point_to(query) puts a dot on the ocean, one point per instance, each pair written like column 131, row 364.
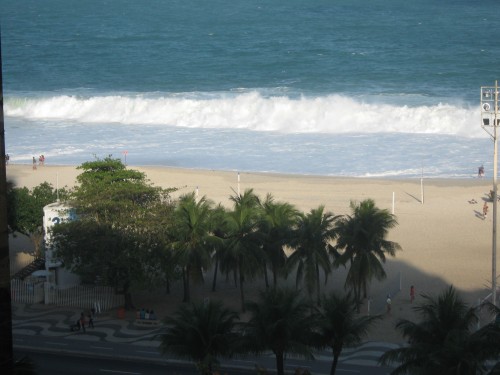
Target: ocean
column 358, row 88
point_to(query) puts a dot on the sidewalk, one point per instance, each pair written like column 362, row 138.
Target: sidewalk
column 53, row 321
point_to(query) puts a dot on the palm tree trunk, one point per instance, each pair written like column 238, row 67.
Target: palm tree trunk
column 129, row 305
column 242, row 292
column 167, row 285
column 358, row 297
column 335, row 361
column 275, row 276
column 317, row 285
column 214, row 282
column 185, row 279
column 265, row 276
column 280, row 365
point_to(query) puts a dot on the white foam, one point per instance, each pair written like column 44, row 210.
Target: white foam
column 333, row 114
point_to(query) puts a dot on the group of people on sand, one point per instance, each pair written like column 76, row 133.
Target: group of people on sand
column 41, row 161
column 388, row 301
column 485, row 205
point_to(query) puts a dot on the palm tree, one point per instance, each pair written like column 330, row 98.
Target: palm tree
column 362, row 237
column 192, row 234
column 340, row 326
column 445, row 340
column 279, row 322
column 243, row 249
column 310, row 243
column 277, row 225
column 201, row 332
column 219, row 232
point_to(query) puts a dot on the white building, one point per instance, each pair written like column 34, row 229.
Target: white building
column 59, row 276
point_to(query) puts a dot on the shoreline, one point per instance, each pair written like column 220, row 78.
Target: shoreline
column 218, row 186
column 472, row 177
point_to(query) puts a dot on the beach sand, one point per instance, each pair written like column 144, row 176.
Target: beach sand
column 444, row 239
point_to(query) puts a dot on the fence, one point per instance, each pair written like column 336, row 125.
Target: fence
column 101, row 298
column 27, row 291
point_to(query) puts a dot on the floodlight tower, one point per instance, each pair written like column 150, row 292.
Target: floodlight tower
column 489, row 122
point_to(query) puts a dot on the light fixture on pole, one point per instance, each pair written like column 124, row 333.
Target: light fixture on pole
column 490, row 121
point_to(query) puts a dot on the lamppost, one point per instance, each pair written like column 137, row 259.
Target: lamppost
column 490, row 121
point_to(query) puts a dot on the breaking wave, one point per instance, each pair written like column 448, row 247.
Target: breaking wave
column 250, row 111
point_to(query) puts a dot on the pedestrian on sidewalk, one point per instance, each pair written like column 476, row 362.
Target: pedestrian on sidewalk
column 91, row 321
column 76, row 326
column 388, row 304
column 412, row 294
column 82, row 322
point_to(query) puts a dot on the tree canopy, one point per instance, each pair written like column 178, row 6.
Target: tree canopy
column 362, row 242
column 130, row 232
column 203, row 332
column 280, row 321
column 25, row 210
column 111, row 241
column 445, row 340
column 111, row 192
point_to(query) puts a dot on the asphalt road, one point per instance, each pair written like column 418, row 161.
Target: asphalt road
column 53, row 356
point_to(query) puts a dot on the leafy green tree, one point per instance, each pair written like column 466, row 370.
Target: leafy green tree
column 311, row 241
column 100, row 253
column 156, row 230
column 110, row 192
column 340, row 326
column 279, row 220
column 109, row 241
column 192, row 233
column 202, row 333
column 280, row 322
column 242, row 245
column 445, row 340
column 25, row 210
column 362, row 242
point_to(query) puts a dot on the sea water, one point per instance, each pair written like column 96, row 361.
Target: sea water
column 368, row 88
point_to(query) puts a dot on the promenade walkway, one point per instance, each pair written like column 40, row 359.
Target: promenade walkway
column 51, row 321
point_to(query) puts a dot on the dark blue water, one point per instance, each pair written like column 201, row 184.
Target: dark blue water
column 347, row 87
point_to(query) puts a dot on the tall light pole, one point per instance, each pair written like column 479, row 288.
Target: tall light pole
column 490, row 122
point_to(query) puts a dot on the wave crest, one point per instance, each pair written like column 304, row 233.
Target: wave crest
column 251, row 111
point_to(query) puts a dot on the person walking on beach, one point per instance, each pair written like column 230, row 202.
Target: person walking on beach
column 412, row 294
column 34, row 163
column 388, row 304
column 485, row 210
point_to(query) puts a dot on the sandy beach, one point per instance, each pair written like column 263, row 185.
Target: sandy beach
column 445, row 239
